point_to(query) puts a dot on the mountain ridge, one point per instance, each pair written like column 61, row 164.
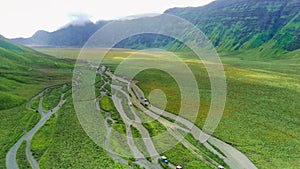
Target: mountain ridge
column 74, row 35
column 271, row 27
column 248, row 24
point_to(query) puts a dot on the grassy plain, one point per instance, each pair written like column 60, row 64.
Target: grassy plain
column 70, row 147
column 62, row 142
column 261, row 116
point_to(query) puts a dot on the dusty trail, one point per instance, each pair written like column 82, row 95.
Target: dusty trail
column 234, row 158
column 139, row 156
column 138, row 124
column 11, row 162
column 106, row 144
column 141, row 160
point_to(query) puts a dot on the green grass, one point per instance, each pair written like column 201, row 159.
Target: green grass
column 107, row 104
column 261, row 117
column 98, row 84
column 179, row 155
column 126, row 107
column 133, row 165
column 24, row 73
column 138, row 141
column 8, row 100
column 164, row 165
column 52, row 95
column 169, row 119
column 154, row 128
column 71, row 147
column 118, row 145
column 117, row 117
column 22, row 160
column 261, row 113
column 204, row 151
column 120, row 128
column 14, row 122
column 42, row 140
column 35, row 103
column 217, row 149
column 107, row 87
column 61, row 143
column 51, row 98
column 109, row 122
column 135, row 132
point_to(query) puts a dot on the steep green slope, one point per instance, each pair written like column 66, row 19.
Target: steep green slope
column 239, row 25
column 21, row 66
column 271, row 27
column 23, row 73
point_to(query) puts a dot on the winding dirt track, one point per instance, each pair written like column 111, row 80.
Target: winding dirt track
column 141, row 160
column 233, row 158
column 11, row 162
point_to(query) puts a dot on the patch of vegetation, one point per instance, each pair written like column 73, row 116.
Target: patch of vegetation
column 139, row 142
column 71, row 147
column 117, row 117
column 164, row 165
column 98, row 84
column 42, row 140
column 266, row 105
column 24, row 73
column 14, row 124
column 120, row 127
column 8, row 100
column 118, row 145
column 107, row 87
column 107, row 104
column 154, row 128
column 126, row 107
column 67, row 91
column 179, row 155
column 169, row 119
column 135, row 132
column 20, row 75
column 134, row 165
column 22, row 160
column 216, row 148
column 51, row 98
column 205, row 151
column 118, row 166
column 109, row 122
column 260, row 118
column 35, row 103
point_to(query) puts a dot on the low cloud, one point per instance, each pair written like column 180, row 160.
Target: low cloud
column 79, row 18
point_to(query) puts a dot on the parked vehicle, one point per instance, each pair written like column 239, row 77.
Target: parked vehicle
column 164, row 159
column 179, row 167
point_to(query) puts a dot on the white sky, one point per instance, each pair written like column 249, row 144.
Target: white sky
column 22, row 18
